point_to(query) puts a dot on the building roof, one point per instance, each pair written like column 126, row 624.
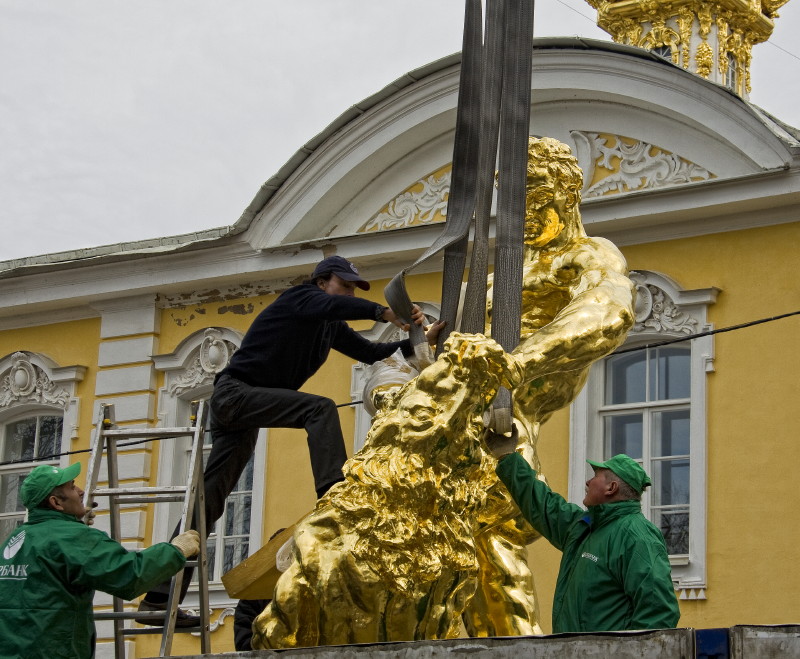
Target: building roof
column 226, row 234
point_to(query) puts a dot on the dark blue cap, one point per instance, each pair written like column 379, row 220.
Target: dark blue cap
column 342, row 268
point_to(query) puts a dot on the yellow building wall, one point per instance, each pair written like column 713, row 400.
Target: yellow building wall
column 751, row 417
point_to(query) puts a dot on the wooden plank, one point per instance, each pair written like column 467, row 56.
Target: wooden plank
column 255, row 577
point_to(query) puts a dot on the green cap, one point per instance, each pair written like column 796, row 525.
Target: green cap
column 627, row 469
column 41, row 481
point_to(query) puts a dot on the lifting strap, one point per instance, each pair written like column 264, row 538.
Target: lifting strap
column 461, row 201
column 494, row 92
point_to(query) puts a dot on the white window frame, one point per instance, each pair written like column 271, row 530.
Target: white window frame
column 663, row 311
column 32, row 384
column 189, row 375
column 732, row 72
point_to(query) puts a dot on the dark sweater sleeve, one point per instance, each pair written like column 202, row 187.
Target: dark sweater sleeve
column 351, row 343
column 312, row 302
column 547, row 511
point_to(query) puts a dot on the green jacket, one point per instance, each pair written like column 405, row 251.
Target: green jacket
column 49, row 569
column 614, row 573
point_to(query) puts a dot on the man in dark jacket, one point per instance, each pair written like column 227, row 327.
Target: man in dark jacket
column 51, row 565
column 287, row 343
column 615, row 572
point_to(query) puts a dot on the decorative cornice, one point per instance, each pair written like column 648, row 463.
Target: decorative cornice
column 691, row 593
column 613, row 164
column 424, row 202
column 227, row 612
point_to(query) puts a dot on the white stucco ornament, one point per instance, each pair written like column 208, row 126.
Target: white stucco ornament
column 213, row 355
column 214, row 352
column 655, row 310
column 27, row 383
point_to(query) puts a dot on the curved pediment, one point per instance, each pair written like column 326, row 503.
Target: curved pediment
column 638, row 124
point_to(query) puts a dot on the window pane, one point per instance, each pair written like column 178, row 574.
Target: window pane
column 675, row 527
column 237, row 514
column 671, row 433
column 663, row 51
column 625, row 379
column 245, row 482
column 235, row 521
column 670, row 482
column 50, row 428
column 9, row 494
column 211, row 558
column 20, row 440
column 623, row 434
column 235, row 552
column 669, row 373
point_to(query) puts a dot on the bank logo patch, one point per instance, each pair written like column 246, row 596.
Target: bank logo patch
column 14, row 545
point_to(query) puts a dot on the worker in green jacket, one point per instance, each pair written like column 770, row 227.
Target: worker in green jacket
column 615, row 572
column 51, row 565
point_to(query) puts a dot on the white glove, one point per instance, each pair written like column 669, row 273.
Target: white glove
column 188, row 543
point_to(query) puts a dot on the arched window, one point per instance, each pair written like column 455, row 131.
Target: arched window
column 732, row 73
column 38, row 416
column 189, row 375
column 663, row 51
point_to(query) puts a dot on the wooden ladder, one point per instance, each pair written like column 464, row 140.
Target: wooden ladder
column 107, row 434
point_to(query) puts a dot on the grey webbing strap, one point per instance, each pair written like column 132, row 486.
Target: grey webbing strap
column 460, row 203
column 473, row 318
column 514, row 128
column 506, row 94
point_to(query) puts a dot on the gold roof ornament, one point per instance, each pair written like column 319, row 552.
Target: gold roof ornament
column 712, row 39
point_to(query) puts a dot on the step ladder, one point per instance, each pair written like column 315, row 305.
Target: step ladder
column 107, row 434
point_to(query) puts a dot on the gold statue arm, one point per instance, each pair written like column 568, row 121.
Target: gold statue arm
column 591, row 325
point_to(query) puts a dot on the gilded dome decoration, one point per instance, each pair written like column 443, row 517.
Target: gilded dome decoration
column 712, row 39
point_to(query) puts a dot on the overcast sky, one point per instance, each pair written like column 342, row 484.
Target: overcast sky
column 122, row 120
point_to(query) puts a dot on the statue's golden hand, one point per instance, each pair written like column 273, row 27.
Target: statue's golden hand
column 513, row 371
column 475, row 354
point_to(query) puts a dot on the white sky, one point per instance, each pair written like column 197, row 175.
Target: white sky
column 122, row 120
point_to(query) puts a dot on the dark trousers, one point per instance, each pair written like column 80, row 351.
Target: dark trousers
column 237, row 412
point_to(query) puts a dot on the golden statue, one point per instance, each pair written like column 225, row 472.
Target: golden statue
column 388, row 554
column 577, row 307
column 421, row 533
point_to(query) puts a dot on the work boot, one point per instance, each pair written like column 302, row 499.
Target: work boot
column 182, row 620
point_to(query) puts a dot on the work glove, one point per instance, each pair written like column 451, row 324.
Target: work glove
column 88, row 518
column 501, row 445
column 188, row 543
